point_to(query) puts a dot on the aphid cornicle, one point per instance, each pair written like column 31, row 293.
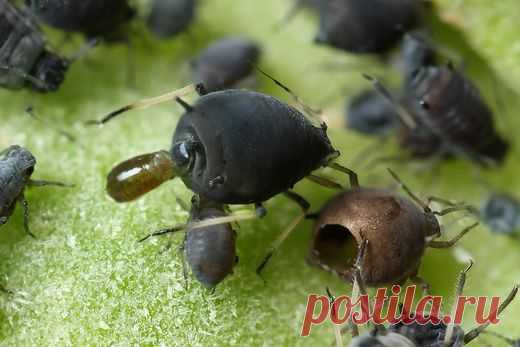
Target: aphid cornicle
column 231, row 147
column 171, row 17
column 452, row 108
column 359, row 26
column 396, row 229
column 422, row 331
column 25, row 60
column 93, row 18
column 209, row 250
column 16, row 167
column 225, row 63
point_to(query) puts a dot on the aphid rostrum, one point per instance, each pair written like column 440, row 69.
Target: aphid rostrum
column 25, row 60
column 16, row 168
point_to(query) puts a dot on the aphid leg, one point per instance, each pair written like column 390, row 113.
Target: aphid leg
column 458, row 293
column 164, row 232
column 422, row 283
column 304, row 205
column 145, row 103
column 502, row 337
column 25, row 206
column 474, row 333
column 398, row 158
column 183, row 261
column 323, row 181
column 44, row 183
column 31, row 79
column 30, row 111
column 405, row 116
column 450, row 243
column 353, row 177
column 337, row 329
column 454, row 209
column 408, row 190
column 358, row 286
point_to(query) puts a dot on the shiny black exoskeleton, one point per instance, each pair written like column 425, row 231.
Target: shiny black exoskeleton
column 452, row 108
column 225, row 63
column 361, row 26
column 371, row 114
column 210, row 251
column 16, row 167
column 240, row 147
column 171, row 17
column 93, row 18
column 25, row 61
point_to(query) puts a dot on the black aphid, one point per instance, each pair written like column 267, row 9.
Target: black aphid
column 209, row 250
column 231, row 147
column 93, row 18
column 361, row 26
column 171, row 17
column 16, row 167
column 225, row 63
column 25, row 61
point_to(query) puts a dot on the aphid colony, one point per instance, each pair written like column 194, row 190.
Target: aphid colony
column 239, row 147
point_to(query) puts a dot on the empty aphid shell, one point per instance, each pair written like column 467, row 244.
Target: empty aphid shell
column 394, row 227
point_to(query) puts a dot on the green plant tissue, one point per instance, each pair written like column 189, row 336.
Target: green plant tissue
column 86, row 281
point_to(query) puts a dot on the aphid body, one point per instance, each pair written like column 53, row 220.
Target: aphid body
column 16, row 168
column 171, row 17
column 93, row 18
column 24, row 59
column 453, row 109
column 225, row 63
column 359, row 26
column 210, row 251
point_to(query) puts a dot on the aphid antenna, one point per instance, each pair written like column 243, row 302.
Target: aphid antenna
column 458, row 293
column 304, row 206
column 313, row 113
column 408, row 191
column 145, row 103
column 337, row 329
column 84, row 50
column 404, row 115
column 37, row 82
column 474, row 333
column 30, row 111
column 500, row 336
column 235, row 217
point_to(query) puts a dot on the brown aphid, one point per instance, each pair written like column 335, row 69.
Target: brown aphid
column 450, row 105
column 397, row 232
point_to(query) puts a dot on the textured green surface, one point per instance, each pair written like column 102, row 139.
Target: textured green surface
column 86, row 281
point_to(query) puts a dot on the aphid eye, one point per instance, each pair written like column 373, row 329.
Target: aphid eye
column 424, row 105
column 182, row 154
